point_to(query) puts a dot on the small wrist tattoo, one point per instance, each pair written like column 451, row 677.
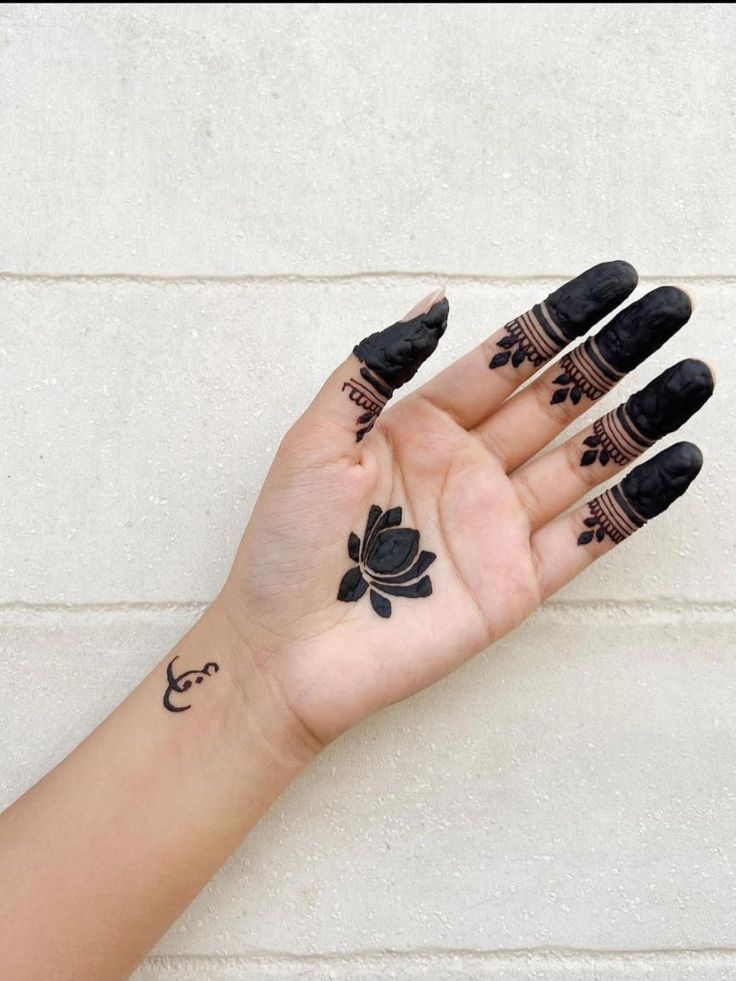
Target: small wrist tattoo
column 644, row 493
column 178, row 684
column 390, row 358
column 389, row 563
column 567, row 313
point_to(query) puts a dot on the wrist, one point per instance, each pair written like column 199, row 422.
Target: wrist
column 251, row 706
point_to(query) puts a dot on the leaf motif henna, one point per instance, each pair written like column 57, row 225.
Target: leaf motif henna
column 354, row 547
column 584, row 372
column 532, row 336
column 387, row 562
column 352, row 586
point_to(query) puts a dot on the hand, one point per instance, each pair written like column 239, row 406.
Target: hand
column 385, row 550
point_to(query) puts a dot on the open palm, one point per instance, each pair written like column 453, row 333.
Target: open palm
column 386, row 550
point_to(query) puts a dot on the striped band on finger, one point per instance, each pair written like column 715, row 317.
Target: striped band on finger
column 610, row 515
column 584, row 372
column 532, row 336
column 615, row 437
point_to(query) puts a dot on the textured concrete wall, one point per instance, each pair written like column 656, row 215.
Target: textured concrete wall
column 185, row 189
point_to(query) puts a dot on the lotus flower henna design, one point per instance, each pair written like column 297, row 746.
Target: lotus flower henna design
column 389, row 562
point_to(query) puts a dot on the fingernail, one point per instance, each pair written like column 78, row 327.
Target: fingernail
column 425, row 305
column 651, row 487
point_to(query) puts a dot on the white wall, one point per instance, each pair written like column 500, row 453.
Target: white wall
column 189, row 194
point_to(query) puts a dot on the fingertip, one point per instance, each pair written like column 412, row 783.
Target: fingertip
column 676, row 302
column 627, row 275
column 709, row 369
column 655, row 484
column 583, row 301
column 424, row 305
column 685, row 458
column 691, row 297
column 670, row 399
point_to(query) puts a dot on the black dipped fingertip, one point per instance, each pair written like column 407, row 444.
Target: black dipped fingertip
column 396, row 353
column 578, row 305
column 643, row 327
column 671, row 398
column 651, row 487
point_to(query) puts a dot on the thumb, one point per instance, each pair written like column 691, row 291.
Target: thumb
column 352, row 398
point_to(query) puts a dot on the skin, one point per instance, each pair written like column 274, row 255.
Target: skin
column 102, row 855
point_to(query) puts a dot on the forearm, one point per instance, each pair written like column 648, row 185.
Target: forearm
column 103, row 854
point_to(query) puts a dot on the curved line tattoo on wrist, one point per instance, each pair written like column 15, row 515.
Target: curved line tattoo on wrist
column 178, row 684
column 389, row 562
column 538, row 335
column 596, row 365
column 658, row 409
column 646, row 492
column 390, row 358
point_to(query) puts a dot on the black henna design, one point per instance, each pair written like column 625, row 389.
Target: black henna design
column 611, row 516
column 584, row 372
column 658, row 409
column 388, row 562
column 571, row 310
column 614, row 438
column 390, row 358
column 594, row 367
column 178, row 684
column 368, row 401
column 646, row 492
column 532, row 336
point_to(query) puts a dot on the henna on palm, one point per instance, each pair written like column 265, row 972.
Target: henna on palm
column 387, row 562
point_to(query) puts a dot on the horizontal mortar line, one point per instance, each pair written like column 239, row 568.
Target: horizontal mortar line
column 159, row 606
column 430, row 956
column 638, row 610
column 337, row 279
